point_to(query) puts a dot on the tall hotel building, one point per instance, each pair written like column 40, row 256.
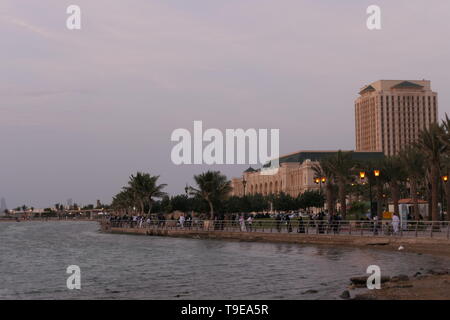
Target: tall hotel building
column 389, row 114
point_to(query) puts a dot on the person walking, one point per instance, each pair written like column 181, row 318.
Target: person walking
column 278, row 222
column 320, row 218
column 375, row 225
column 249, row 223
column 189, row 221
column 395, row 223
column 242, row 223
column 301, row 225
column 331, row 221
column 288, row 223
column 181, row 220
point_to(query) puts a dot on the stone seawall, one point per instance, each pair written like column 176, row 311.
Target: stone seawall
column 439, row 247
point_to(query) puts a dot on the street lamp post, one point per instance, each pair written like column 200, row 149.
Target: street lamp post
column 186, row 190
column 445, row 180
column 362, row 176
column 319, row 181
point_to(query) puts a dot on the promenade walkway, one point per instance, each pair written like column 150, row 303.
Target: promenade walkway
column 357, row 228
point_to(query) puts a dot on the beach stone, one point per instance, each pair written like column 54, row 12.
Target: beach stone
column 417, row 274
column 362, row 281
column 439, row 272
column 400, row 277
column 345, row 295
column 310, row 291
column 403, row 286
column 359, row 280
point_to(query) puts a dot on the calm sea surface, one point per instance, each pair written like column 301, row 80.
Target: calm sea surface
column 34, row 257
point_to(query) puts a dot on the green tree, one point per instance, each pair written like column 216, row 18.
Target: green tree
column 432, row 146
column 212, row 186
column 393, row 172
column 124, row 200
column 342, row 165
column 145, row 189
column 445, row 137
column 180, row 203
column 283, row 202
column 310, row 199
column 324, row 169
column 413, row 162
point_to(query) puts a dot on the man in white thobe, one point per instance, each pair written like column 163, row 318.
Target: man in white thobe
column 395, row 223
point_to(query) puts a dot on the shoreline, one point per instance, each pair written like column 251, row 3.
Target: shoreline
column 424, row 285
column 431, row 246
column 431, row 286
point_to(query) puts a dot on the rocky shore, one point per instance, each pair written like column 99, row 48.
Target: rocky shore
column 423, row 285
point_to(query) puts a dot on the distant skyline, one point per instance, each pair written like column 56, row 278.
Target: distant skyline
column 81, row 111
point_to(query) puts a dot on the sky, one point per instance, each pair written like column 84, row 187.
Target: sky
column 81, row 110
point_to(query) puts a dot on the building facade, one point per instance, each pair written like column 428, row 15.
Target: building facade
column 294, row 176
column 389, row 114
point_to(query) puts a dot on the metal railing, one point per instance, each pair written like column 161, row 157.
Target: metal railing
column 423, row 229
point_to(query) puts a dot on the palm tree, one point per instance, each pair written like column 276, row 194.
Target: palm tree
column 144, row 188
column 393, row 172
column 445, row 137
column 136, row 187
column 153, row 190
column 431, row 145
column 413, row 162
column 124, row 200
column 342, row 165
column 323, row 169
column 446, row 161
column 445, row 169
column 211, row 186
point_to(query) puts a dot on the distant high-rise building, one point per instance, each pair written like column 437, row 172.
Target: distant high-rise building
column 389, row 114
column 3, row 206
